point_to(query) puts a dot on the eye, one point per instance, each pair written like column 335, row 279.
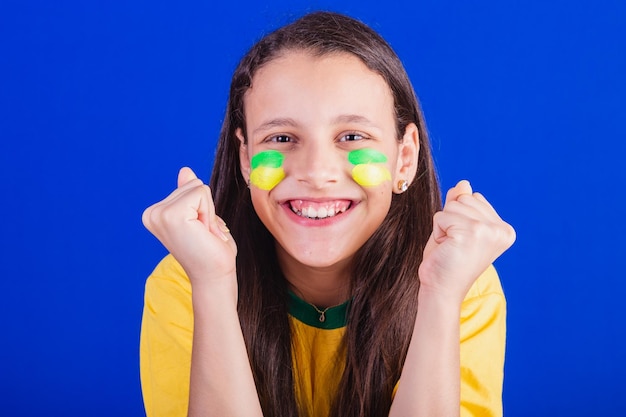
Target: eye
column 350, row 137
column 280, row 139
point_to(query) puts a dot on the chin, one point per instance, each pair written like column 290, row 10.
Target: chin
column 319, row 258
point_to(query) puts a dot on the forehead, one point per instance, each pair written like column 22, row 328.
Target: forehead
column 306, row 87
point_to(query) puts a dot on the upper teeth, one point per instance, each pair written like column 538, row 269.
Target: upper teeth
column 320, row 212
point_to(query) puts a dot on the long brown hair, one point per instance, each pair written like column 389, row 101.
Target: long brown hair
column 384, row 281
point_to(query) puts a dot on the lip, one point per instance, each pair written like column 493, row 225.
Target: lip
column 319, row 200
column 308, row 222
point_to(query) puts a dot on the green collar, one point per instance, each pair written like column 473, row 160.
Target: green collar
column 334, row 317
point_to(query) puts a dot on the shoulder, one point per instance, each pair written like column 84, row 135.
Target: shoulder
column 484, row 307
column 168, row 293
column 168, row 273
column 487, row 283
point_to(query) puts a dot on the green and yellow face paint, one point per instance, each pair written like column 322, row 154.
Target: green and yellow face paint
column 267, row 169
column 366, row 172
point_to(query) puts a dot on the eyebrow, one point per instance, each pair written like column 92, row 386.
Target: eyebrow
column 289, row 122
column 278, row 122
column 353, row 118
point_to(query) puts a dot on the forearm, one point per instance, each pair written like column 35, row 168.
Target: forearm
column 430, row 381
column 221, row 382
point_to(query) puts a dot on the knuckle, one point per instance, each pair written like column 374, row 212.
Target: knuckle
column 504, row 234
column 511, row 234
column 477, row 228
column 196, row 183
column 464, row 198
column 437, row 216
column 453, row 206
column 450, row 195
column 167, row 214
column 146, row 217
column 480, row 231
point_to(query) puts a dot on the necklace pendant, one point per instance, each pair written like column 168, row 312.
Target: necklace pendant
column 322, row 317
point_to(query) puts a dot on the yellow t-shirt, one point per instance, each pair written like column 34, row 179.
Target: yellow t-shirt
column 318, row 361
column 167, row 335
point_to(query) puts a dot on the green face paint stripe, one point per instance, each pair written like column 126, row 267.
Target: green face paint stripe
column 366, row 156
column 270, row 159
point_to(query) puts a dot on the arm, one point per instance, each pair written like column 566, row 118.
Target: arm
column 467, row 237
column 186, row 223
column 221, row 381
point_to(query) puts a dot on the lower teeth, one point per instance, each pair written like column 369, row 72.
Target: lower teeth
column 299, row 213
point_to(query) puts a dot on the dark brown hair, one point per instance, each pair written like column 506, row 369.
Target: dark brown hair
column 384, row 281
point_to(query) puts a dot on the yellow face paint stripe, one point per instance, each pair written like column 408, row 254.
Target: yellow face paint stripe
column 368, row 175
column 266, row 178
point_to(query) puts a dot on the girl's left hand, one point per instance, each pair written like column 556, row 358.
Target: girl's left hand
column 468, row 236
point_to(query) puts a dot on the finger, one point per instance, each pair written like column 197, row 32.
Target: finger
column 443, row 222
column 218, row 228
column 206, row 209
column 478, row 202
column 146, row 218
column 206, row 215
column 465, row 206
column 179, row 191
column 222, row 229
column 186, row 179
column 483, row 200
column 227, row 236
column 185, row 175
column 190, row 202
column 438, row 234
column 462, row 187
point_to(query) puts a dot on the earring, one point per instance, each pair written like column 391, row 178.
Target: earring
column 403, row 185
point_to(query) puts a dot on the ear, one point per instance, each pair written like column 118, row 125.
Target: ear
column 244, row 158
column 408, row 152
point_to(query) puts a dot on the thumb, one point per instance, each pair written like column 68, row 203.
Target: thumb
column 462, row 187
column 185, row 175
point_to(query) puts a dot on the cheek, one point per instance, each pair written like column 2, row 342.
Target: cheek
column 369, row 169
column 370, row 175
column 267, row 169
column 266, row 178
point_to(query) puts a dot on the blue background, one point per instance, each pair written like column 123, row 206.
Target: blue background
column 101, row 103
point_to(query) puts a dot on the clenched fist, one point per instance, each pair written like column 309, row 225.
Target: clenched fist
column 468, row 235
column 186, row 224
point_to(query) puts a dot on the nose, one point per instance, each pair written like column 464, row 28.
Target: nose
column 318, row 165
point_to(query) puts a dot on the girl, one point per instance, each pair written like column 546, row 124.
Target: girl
column 318, row 274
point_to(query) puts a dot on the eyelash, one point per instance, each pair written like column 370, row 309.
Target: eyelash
column 353, row 134
column 277, row 137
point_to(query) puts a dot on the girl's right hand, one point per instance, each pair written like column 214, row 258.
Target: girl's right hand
column 186, row 224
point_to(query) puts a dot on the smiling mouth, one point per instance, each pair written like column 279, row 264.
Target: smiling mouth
column 318, row 211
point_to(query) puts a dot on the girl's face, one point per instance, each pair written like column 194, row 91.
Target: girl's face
column 322, row 155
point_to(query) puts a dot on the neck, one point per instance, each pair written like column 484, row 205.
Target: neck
column 321, row 286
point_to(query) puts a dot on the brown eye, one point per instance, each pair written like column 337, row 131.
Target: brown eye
column 350, row 137
column 280, row 139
